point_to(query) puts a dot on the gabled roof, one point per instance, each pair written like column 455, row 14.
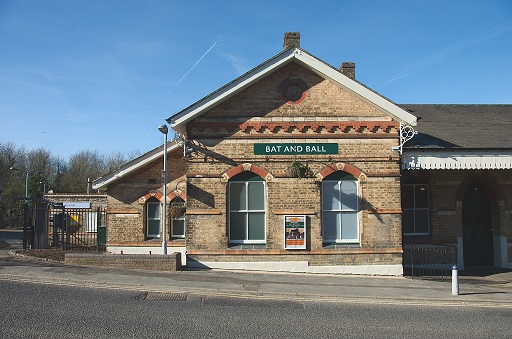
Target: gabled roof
column 461, row 126
column 178, row 120
column 131, row 166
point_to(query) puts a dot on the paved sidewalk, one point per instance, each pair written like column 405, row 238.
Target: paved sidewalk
column 494, row 290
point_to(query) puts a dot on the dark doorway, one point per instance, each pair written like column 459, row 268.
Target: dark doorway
column 477, row 226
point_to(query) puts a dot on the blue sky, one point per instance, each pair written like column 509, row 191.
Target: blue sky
column 101, row 75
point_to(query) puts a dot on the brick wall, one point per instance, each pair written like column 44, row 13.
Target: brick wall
column 447, row 188
column 224, row 137
column 171, row 262
column 96, row 200
column 127, row 198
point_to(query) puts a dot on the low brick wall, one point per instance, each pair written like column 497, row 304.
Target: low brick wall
column 169, row 262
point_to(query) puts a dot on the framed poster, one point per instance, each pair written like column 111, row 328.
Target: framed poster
column 294, row 232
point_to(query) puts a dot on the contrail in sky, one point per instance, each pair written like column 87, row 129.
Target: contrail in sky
column 190, row 70
column 439, row 57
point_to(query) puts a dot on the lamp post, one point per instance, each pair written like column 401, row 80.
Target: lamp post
column 26, row 180
column 164, row 130
column 25, row 208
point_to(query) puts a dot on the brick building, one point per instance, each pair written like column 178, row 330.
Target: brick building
column 297, row 166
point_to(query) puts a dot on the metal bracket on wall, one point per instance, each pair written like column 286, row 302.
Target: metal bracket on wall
column 406, row 134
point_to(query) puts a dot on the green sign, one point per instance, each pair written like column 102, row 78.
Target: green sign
column 286, row 149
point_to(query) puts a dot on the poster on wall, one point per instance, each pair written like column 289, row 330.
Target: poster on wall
column 294, row 232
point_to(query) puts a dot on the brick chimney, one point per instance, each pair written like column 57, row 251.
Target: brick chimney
column 349, row 69
column 291, row 39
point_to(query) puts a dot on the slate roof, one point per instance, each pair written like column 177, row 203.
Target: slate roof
column 461, row 126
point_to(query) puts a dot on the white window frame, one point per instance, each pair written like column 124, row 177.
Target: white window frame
column 339, row 237
column 148, row 218
column 247, row 212
column 416, row 209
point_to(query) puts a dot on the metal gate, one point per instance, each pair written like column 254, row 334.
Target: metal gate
column 51, row 225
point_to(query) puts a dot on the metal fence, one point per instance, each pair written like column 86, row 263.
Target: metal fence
column 54, row 226
column 429, row 261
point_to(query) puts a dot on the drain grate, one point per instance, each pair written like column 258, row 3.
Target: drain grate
column 157, row 296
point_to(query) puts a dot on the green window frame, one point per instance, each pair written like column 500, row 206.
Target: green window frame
column 246, row 209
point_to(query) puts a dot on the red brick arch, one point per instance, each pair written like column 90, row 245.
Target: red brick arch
column 341, row 167
column 159, row 196
column 247, row 167
column 173, row 195
column 150, row 194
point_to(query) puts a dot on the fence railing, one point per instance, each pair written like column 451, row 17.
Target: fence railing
column 429, row 261
column 53, row 226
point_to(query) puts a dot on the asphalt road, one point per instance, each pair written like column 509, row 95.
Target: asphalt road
column 48, row 311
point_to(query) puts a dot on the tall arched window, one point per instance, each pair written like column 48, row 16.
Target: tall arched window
column 415, row 207
column 153, row 218
column 177, row 208
column 340, row 208
column 246, row 195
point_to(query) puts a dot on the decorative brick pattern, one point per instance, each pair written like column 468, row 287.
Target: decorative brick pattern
column 264, row 128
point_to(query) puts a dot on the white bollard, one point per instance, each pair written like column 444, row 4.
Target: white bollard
column 455, row 280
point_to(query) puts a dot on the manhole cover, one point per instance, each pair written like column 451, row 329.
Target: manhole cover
column 156, row 296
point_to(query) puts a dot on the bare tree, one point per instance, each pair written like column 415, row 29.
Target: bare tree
column 46, row 172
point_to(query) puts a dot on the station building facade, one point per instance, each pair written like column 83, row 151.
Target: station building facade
column 296, row 166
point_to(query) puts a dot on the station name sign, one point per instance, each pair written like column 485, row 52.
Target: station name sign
column 286, row 149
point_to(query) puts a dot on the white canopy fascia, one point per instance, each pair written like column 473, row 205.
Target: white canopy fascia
column 453, row 159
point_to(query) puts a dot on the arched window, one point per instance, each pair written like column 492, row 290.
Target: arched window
column 340, row 208
column 246, row 195
column 153, row 218
column 415, row 207
column 177, row 208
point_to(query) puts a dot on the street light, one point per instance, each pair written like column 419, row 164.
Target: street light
column 27, row 173
column 164, row 130
column 26, row 180
column 25, row 208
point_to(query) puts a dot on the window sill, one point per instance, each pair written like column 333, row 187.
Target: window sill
column 247, row 247
column 341, row 246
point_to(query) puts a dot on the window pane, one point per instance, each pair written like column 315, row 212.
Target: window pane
column 153, row 227
column 256, row 226
column 421, row 222
column 408, row 221
column 178, row 227
column 237, row 196
column 237, row 224
column 349, row 195
column 421, row 197
column 153, row 210
column 330, row 225
column 256, row 196
column 349, row 229
column 330, row 196
column 407, row 196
